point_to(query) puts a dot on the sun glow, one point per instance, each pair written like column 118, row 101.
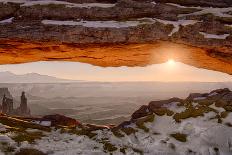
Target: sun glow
column 171, row 62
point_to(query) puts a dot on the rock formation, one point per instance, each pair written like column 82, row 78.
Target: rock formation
column 118, row 32
column 23, row 109
column 4, row 94
column 8, row 105
column 221, row 97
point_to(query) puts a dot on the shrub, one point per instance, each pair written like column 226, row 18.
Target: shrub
column 28, row 151
column 179, row 136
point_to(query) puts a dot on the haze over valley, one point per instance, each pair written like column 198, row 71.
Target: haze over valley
column 95, row 95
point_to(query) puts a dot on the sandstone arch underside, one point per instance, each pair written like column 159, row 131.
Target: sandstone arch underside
column 121, row 33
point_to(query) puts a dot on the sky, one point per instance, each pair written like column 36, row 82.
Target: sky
column 166, row 72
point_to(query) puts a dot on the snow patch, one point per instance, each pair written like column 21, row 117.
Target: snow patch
column 2, row 128
column 228, row 25
column 219, row 109
column 214, row 36
column 213, row 94
column 67, row 4
column 177, row 24
column 43, row 123
column 153, row 3
column 13, row 1
column 219, row 12
column 101, row 24
column 199, row 98
column 5, row 139
column 183, row 7
column 174, row 107
column 6, row 21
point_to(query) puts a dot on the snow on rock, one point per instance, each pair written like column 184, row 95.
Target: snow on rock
column 219, row 12
column 13, row 1
column 5, row 139
column 43, row 123
column 203, row 135
column 228, row 25
column 212, row 94
column 67, row 4
column 153, row 3
column 177, row 24
column 100, row 24
column 199, row 98
column 2, row 128
column 174, row 107
column 219, row 109
column 228, row 119
column 183, row 7
column 69, row 144
column 6, row 21
column 214, row 36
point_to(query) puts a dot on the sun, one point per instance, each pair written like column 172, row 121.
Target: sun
column 171, row 62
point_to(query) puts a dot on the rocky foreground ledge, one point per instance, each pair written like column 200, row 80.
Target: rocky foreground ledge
column 199, row 124
column 86, row 30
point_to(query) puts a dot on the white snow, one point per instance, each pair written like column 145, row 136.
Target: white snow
column 101, row 24
column 183, row 7
column 5, row 138
column 214, row 36
column 203, row 135
column 43, row 123
column 219, row 12
column 13, row 1
column 153, row 3
column 228, row 119
column 174, row 107
column 199, row 98
column 6, row 21
column 2, row 128
column 67, row 4
column 177, row 24
column 213, row 94
column 228, row 25
column 219, row 109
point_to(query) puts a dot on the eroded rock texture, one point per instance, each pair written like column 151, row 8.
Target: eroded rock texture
column 117, row 33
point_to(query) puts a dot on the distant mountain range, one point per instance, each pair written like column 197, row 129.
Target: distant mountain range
column 9, row 77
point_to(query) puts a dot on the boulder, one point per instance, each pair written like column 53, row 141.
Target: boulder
column 192, row 96
column 220, row 91
column 154, row 105
column 94, row 127
column 61, row 120
column 227, row 98
column 141, row 112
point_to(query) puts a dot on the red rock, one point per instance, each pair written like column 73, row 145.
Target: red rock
column 94, row 127
column 141, row 112
column 60, row 120
column 159, row 104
